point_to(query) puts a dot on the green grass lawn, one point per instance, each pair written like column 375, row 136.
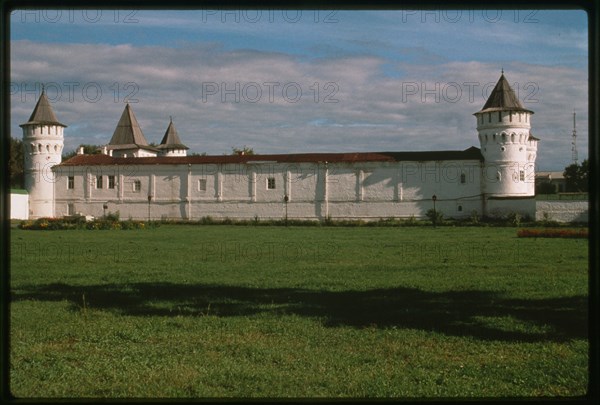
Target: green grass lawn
column 231, row 311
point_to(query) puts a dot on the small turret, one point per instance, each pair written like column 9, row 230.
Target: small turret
column 171, row 145
column 43, row 142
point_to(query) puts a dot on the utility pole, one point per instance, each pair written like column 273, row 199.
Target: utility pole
column 574, row 157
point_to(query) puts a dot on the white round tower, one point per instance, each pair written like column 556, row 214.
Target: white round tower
column 43, row 143
column 508, row 148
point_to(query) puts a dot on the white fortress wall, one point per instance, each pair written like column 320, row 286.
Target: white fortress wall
column 365, row 190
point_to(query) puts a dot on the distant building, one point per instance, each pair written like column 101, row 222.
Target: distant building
column 142, row 181
column 557, row 179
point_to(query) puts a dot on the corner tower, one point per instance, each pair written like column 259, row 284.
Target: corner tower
column 508, row 148
column 43, row 141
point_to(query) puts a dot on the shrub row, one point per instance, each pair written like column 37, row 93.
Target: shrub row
column 552, row 233
column 55, row 224
column 473, row 220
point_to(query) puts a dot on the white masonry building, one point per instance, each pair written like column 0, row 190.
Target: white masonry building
column 140, row 181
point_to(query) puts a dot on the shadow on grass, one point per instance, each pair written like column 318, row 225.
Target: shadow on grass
column 479, row 314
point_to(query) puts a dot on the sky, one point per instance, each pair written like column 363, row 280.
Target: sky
column 299, row 81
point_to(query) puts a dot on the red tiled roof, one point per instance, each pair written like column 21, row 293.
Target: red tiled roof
column 471, row 153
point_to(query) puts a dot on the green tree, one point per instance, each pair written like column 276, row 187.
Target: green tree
column 576, row 177
column 88, row 149
column 245, row 150
column 15, row 161
column 545, row 188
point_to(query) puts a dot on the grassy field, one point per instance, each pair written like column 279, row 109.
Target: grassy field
column 225, row 311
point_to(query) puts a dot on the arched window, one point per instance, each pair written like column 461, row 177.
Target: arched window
column 48, row 148
column 503, row 137
column 55, row 148
column 463, row 178
column 39, row 147
column 32, row 148
column 512, row 138
column 510, row 116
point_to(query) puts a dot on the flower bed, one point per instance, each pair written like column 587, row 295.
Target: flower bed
column 552, row 233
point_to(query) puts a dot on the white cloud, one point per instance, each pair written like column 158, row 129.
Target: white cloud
column 358, row 105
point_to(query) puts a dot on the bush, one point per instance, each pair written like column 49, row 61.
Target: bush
column 435, row 216
column 514, row 218
column 57, row 224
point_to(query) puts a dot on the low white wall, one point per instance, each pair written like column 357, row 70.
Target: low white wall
column 562, row 210
column 19, row 206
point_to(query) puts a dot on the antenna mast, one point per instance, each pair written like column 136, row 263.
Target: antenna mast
column 574, row 142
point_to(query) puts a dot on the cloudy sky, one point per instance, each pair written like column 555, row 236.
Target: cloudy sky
column 302, row 81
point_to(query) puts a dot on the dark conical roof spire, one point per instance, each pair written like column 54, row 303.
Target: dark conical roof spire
column 171, row 139
column 43, row 113
column 503, row 98
column 128, row 130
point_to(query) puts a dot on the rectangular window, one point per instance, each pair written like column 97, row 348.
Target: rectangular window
column 70, row 209
column 137, row 185
column 522, row 175
column 271, row 183
column 489, row 117
column 71, row 183
column 463, row 178
column 98, row 181
column 202, row 185
column 111, row 182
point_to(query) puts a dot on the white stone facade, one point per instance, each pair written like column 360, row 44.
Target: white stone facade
column 143, row 182
column 365, row 190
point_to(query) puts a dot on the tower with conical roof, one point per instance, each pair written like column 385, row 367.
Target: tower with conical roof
column 507, row 145
column 171, row 144
column 43, row 142
column 128, row 140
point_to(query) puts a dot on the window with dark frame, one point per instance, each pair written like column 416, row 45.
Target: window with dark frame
column 111, row 182
column 71, row 183
column 137, row 186
column 99, row 181
column 271, row 183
